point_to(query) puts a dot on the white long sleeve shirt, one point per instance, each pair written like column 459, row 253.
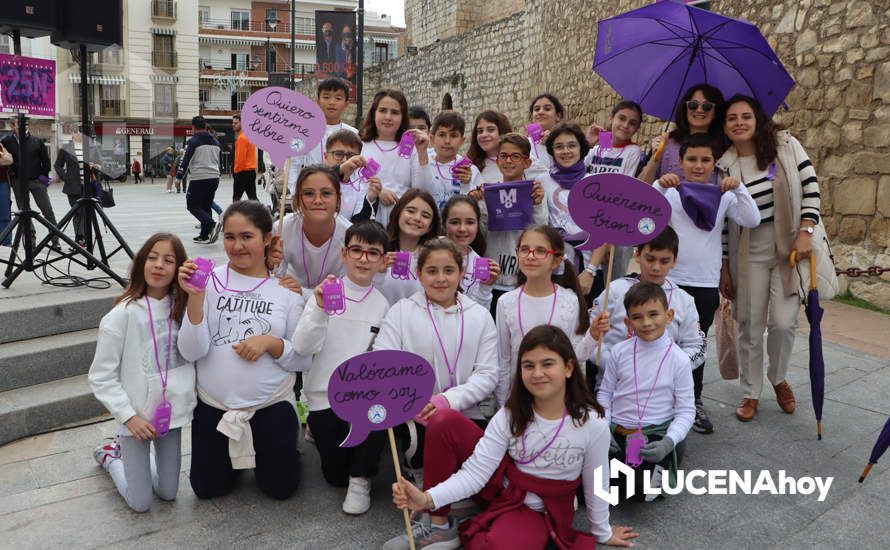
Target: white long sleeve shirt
column 230, row 317
column 396, row 173
column 438, row 182
column 614, row 160
column 397, row 289
column 576, row 451
column 407, row 327
column 684, row 330
column 478, row 291
column 490, row 173
column 535, row 311
column 320, row 261
column 672, row 397
column 542, row 162
column 332, row 339
column 315, row 156
column 124, row 374
column 699, row 258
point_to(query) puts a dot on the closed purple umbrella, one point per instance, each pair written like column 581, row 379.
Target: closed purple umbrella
column 653, row 54
column 814, row 313
column 880, row 448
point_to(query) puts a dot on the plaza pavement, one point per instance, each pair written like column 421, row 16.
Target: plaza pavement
column 53, row 495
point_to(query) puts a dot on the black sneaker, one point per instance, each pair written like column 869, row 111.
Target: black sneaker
column 214, row 234
column 201, row 240
column 702, row 423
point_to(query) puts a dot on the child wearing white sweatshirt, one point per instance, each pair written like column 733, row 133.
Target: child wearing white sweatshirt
column 331, row 339
column 141, row 378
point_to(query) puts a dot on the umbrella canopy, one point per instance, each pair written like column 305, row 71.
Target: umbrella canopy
column 814, row 313
column 653, row 54
column 879, row 449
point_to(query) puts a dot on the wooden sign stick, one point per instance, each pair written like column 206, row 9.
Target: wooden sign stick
column 599, row 346
column 395, row 462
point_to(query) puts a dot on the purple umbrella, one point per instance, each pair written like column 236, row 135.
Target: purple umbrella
column 880, row 447
column 814, row 312
column 653, row 54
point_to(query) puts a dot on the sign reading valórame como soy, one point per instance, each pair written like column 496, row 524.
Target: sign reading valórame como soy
column 282, row 122
column 379, row 390
column 618, row 209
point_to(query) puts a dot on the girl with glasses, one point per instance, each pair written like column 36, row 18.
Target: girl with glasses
column 696, row 113
column 548, row 294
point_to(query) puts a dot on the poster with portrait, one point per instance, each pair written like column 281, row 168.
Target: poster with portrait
column 335, row 47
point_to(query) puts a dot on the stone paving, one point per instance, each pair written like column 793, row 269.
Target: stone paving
column 52, row 493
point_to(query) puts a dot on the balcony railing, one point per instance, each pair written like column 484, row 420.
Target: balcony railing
column 163, row 59
column 164, row 9
column 168, row 110
column 283, row 26
column 112, row 107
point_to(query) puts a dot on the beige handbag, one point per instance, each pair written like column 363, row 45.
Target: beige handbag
column 5, row 157
column 727, row 341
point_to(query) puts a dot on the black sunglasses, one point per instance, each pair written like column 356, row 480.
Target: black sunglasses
column 706, row 106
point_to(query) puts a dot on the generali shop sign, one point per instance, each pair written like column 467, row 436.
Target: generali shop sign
column 161, row 130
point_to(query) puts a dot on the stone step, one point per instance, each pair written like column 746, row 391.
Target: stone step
column 40, row 360
column 39, row 315
column 43, row 407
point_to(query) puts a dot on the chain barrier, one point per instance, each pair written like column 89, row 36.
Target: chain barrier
column 872, row 271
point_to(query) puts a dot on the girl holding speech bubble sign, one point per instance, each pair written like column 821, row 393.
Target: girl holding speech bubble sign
column 526, row 467
column 454, row 333
column 313, row 235
column 460, row 217
column 544, row 296
column 382, row 133
column 238, row 333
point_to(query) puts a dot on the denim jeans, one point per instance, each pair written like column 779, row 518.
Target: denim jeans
column 5, row 210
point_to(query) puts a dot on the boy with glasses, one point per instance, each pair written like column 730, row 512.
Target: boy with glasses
column 342, row 153
column 332, row 339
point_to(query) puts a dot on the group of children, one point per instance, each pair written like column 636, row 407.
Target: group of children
column 521, row 392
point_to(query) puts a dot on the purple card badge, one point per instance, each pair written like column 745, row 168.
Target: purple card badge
column 163, row 415
column 198, row 280
column 481, row 270
column 401, row 269
column 536, row 132
column 369, row 170
column 510, row 205
column 379, row 390
column 464, row 161
column 406, row 145
column 605, row 140
column 282, row 122
column 617, row 209
column 333, row 296
column 635, row 442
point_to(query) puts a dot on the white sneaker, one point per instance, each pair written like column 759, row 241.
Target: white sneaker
column 106, row 452
column 358, row 496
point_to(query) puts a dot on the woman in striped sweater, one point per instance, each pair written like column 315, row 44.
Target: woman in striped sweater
column 756, row 272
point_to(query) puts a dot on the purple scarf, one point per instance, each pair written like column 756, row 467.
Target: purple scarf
column 701, row 202
column 566, row 177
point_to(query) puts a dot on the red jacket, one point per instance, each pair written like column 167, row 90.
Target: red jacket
column 136, row 167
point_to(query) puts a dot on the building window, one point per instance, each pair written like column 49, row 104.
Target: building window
column 203, row 95
column 304, row 25
column 110, row 55
column 381, row 52
column 241, row 20
column 110, row 102
column 271, row 15
column 163, row 53
column 240, row 61
column 241, row 98
column 203, row 15
column 4, row 44
column 163, row 100
column 271, row 60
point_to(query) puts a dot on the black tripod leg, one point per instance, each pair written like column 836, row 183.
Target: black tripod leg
column 94, row 224
column 13, row 225
column 114, row 232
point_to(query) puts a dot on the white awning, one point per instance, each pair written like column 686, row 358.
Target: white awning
column 106, row 79
column 163, row 30
column 389, row 41
column 163, row 78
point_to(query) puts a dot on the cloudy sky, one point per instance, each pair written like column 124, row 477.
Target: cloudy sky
column 393, row 8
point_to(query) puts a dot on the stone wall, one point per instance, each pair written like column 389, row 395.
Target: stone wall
column 837, row 50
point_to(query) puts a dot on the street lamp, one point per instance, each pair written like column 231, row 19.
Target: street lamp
column 271, row 23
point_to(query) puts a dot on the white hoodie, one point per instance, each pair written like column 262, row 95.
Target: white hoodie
column 124, row 375
column 407, row 327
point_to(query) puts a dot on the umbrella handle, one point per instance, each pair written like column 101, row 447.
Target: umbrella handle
column 813, row 281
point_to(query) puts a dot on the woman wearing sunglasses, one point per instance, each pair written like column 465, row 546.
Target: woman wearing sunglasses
column 696, row 113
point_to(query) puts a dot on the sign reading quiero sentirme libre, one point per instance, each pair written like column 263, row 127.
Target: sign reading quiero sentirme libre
column 282, row 122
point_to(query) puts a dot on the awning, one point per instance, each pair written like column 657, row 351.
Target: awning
column 390, row 41
column 106, row 79
column 238, row 41
column 163, row 30
column 163, row 78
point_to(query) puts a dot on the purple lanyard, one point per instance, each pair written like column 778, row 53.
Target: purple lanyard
column 519, row 307
column 154, row 339
column 547, row 446
column 452, row 371
column 438, row 171
column 637, row 389
column 323, row 261
column 463, row 275
column 362, row 299
column 382, row 150
column 226, row 286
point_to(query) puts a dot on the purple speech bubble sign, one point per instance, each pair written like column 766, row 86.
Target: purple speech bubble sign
column 282, row 122
column 617, row 209
column 379, row 390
